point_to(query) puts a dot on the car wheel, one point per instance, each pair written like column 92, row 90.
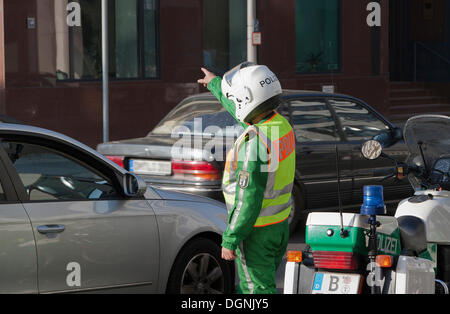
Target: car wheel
column 298, row 208
column 200, row 269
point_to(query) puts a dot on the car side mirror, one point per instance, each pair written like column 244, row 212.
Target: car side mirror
column 133, row 185
column 372, row 150
column 387, row 138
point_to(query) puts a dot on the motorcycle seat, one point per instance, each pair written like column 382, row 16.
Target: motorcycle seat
column 413, row 234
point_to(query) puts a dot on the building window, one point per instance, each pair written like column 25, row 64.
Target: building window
column 317, row 36
column 224, row 35
column 132, row 41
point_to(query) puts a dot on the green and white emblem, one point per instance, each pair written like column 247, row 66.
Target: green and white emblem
column 244, row 178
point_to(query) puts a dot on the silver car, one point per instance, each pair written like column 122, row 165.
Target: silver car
column 73, row 221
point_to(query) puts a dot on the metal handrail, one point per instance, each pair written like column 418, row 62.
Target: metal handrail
column 437, row 54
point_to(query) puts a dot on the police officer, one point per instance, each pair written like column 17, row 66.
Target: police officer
column 259, row 174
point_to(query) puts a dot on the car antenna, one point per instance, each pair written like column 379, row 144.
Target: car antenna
column 344, row 233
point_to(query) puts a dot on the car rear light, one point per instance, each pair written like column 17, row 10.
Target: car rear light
column 335, row 260
column 118, row 160
column 195, row 170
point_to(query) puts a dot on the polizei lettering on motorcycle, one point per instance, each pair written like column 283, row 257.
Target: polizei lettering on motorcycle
column 268, row 81
column 387, row 244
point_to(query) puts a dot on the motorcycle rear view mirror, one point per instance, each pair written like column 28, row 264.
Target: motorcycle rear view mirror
column 372, row 150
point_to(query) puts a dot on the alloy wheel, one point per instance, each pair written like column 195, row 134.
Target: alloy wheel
column 202, row 275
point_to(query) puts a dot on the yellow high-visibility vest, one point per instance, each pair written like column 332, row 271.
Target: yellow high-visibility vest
column 277, row 137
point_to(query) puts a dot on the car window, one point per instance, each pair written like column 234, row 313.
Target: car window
column 357, row 122
column 200, row 116
column 49, row 175
column 313, row 121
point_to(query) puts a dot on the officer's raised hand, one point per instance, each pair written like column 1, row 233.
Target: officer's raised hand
column 208, row 77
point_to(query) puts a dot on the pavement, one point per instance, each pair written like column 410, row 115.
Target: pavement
column 296, row 242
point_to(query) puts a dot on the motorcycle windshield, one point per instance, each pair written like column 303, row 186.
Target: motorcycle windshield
column 431, row 133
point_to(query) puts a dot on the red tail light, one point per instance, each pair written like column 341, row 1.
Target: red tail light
column 118, row 160
column 335, row 260
column 196, row 170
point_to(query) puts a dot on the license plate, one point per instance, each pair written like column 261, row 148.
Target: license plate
column 334, row 283
column 151, row 167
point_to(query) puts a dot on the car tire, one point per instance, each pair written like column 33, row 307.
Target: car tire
column 298, row 208
column 200, row 269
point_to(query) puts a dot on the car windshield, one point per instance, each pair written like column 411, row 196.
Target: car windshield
column 206, row 117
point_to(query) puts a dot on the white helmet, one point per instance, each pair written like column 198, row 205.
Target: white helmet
column 253, row 88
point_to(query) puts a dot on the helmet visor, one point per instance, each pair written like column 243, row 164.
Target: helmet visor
column 228, row 77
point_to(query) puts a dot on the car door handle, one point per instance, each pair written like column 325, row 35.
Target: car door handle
column 48, row 229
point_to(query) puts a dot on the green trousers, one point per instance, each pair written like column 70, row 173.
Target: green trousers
column 259, row 257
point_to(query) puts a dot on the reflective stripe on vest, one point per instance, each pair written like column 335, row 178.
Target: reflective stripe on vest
column 278, row 137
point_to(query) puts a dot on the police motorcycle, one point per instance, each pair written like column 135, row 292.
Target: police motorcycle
column 370, row 253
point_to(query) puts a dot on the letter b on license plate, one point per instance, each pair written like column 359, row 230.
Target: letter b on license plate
column 334, row 283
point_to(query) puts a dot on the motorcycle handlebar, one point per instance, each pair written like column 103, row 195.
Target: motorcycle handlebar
column 400, row 171
column 384, row 172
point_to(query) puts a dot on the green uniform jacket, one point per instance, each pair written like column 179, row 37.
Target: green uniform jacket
column 251, row 158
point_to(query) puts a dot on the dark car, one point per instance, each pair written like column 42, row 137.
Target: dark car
column 8, row 119
column 187, row 149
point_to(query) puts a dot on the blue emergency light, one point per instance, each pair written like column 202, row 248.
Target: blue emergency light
column 373, row 201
